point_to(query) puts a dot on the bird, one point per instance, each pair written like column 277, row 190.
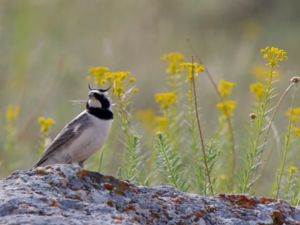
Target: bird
column 84, row 135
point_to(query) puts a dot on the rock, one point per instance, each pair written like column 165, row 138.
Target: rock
column 67, row 194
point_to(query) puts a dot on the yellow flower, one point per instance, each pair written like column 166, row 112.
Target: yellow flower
column 46, row 124
column 262, row 73
column 12, row 113
column 222, row 177
column 121, row 82
column 192, row 67
column 166, row 100
column 98, row 71
column 225, row 88
column 258, row 89
column 151, row 121
column 297, row 131
column 292, row 169
column 135, row 90
column 293, row 114
column 274, row 55
column 119, row 90
column 174, row 59
column 227, row 107
column 118, row 76
column 147, row 117
column 161, row 123
column 132, row 80
column 98, row 74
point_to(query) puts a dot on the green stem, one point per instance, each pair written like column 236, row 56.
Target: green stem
column 169, row 167
column 228, row 118
column 197, row 161
column 289, row 183
column 131, row 164
column 282, row 97
column 192, row 119
column 100, row 160
column 285, row 151
column 200, row 131
column 255, row 155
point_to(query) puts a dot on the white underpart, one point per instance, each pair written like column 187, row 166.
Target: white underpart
column 90, row 140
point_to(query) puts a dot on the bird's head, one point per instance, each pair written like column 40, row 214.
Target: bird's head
column 98, row 98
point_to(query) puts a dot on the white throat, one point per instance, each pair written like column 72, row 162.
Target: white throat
column 94, row 103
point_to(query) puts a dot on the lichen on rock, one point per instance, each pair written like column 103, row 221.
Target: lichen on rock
column 68, row 194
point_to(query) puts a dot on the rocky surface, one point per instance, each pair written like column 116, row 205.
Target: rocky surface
column 66, row 194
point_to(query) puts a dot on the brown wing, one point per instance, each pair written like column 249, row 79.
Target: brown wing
column 69, row 133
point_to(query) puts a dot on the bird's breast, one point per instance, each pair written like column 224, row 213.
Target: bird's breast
column 90, row 140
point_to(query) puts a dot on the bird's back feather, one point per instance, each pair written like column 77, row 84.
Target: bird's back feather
column 67, row 135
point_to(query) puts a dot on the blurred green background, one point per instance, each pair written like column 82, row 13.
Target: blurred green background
column 47, row 48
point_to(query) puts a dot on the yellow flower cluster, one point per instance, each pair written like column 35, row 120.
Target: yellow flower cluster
column 293, row 114
column 120, row 80
column 225, row 88
column 174, row 59
column 274, row 55
column 166, row 100
column 262, row 73
column 46, row 124
column 161, row 124
column 258, row 89
column 222, row 177
column 192, row 67
column 12, row 113
column 292, row 169
column 151, row 121
column 227, row 107
column 99, row 75
column 147, row 117
column 297, row 132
